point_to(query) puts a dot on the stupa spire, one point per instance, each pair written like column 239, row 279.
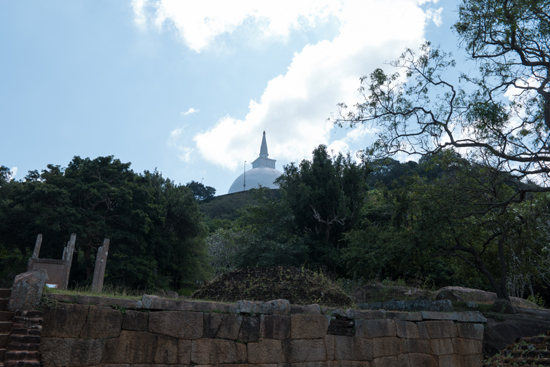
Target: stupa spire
column 263, row 148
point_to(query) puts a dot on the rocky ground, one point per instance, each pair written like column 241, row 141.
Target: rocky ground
column 298, row 286
column 532, row 351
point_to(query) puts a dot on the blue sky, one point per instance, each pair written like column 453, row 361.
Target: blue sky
column 188, row 87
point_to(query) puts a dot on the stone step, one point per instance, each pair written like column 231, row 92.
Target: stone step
column 6, row 316
column 23, row 346
column 21, row 364
column 21, row 355
column 5, row 327
column 2, row 355
column 4, row 340
column 5, row 292
column 4, row 304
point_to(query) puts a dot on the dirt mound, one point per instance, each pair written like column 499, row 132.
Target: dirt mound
column 298, row 286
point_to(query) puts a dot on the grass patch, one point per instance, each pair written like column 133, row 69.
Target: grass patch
column 109, row 291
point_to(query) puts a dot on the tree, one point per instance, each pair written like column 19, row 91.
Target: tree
column 325, row 196
column 499, row 117
column 201, row 192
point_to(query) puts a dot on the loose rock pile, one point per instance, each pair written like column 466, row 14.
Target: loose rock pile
column 298, row 286
column 534, row 351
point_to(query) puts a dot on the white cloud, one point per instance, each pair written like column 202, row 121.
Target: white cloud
column 294, row 107
column 198, row 23
column 189, row 111
column 13, row 172
column 185, row 153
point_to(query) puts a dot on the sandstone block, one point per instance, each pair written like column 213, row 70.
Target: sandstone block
column 385, row 347
column 64, row 320
column 405, row 316
column 215, row 351
column 211, row 324
column 329, row 347
column 348, row 364
column 308, row 326
column 229, row 327
column 71, row 352
column 250, row 329
column 375, row 328
column 309, row 309
column 274, row 326
column 27, row 290
column 352, row 349
column 167, row 350
column 470, row 331
column 451, row 360
column 307, row 350
column 421, row 359
column 474, row 360
column 466, row 347
column 102, row 322
column 130, row 347
column 184, row 351
column 416, row 346
column 309, row 364
column 134, row 320
column 275, row 307
column 385, row 362
column 407, row 329
column 441, row 347
column 267, row 351
column 441, row 329
column 423, row 330
column 179, row 324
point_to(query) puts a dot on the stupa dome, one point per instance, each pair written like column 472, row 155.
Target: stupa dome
column 263, row 173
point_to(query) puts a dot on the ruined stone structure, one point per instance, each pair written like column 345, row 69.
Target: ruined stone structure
column 93, row 331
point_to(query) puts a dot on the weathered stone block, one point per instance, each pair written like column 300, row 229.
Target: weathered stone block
column 179, row 324
column 134, row 320
column 466, row 347
column 211, row 324
column 275, row 307
column 167, row 350
column 307, row 350
column 274, row 326
column 250, row 329
column 352, row 349
column 441, row 347
column 375, row 328
column 215, row 351
column 230, row 327
column 452, row 360
column 309, row 309
column 102, row 322
column 71, row 352
column 407, row 329
column 416, row 346
column 423, row 330
column 348, row 364
column 473, row 360
column 441, row 329
column 384, row 347
column 64, row 320
column 470, row 331
column 405, row 316
column 267, row 351
column 308, row 326
column 367, row 315
column 421, row 359
column 131, row 347
column 385, row 362
column 184, row 351
column 27, row 290
column 329, row 347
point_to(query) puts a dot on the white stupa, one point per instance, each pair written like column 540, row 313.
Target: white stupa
column 263, row 173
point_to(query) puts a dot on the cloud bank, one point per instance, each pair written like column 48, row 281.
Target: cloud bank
column 294, row 107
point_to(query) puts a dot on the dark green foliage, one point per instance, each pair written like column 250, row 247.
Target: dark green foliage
column 201, row 192
column 325, row 196
column 155, row 226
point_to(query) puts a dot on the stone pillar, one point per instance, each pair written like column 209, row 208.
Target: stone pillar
column 100, row 264
column 68, row 256
column 37, row 245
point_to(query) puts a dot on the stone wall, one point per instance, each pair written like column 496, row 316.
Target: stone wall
column 266, row 334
